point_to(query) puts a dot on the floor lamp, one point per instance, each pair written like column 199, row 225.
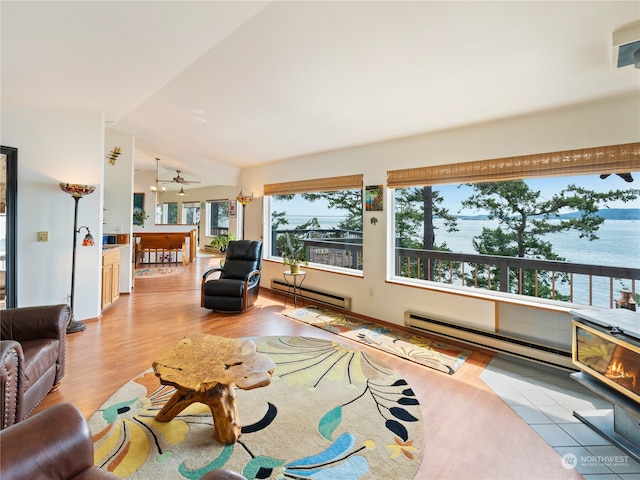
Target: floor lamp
column 77, row 192
column 244, row 200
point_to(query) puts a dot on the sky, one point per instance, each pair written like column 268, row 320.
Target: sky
column 453, row 194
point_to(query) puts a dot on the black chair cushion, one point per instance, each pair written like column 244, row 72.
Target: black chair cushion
column 224, row 287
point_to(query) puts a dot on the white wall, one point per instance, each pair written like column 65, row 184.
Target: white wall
column 608, row 122
column 56, row 146
column 118, row 197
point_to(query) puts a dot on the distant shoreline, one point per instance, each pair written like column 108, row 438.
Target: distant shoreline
column 607, row 214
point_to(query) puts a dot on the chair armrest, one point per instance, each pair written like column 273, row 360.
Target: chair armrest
column 54, row 444
column 11, row 382
column 209, row 272
column 251, row 276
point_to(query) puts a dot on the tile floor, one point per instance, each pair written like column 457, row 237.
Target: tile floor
column 545, row 398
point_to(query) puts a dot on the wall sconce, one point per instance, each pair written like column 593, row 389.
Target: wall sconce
column 77, row 192
column 182, row 193
column 113, row 155
column 244, row 200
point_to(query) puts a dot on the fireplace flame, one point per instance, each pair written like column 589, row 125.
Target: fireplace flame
column 616, row 370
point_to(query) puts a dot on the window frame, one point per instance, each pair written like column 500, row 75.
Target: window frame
column 347, row 182
column 609, row 159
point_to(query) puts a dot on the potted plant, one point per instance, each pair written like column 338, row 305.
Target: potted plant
column 294, row 253
column 221, row 242
column 139, row 216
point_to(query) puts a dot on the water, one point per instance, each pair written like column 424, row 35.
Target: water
column 618, row 244
column 327, row 222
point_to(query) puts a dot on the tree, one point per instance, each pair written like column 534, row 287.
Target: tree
column 347, row 200
column 525, row 219
column 416, row 209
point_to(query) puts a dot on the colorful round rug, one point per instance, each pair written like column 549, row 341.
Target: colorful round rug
column 330, row 412
column 157, row 272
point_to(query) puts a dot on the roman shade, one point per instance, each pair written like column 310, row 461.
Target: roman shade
column 329, row 184
column 597, row 160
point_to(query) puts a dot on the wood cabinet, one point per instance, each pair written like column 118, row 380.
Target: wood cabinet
column 110, row 276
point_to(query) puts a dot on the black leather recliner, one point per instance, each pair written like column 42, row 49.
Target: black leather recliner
column 236, row 288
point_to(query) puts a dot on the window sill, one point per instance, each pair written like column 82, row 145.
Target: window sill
column 324, row 268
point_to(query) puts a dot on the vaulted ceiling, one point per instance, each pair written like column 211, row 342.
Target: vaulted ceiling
column 214, row 86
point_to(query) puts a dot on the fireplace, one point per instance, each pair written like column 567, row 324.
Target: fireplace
column 608, row 355
column 606, row 348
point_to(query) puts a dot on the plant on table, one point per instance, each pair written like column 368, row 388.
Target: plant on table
column 294, row 252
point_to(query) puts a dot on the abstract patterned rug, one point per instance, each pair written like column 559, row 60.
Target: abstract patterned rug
column 157, row 272
column 424, row 351
column 330, row 412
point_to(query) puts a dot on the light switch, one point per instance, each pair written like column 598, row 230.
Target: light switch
column 43, row 236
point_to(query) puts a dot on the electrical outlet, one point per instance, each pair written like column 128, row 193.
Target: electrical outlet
column 43, row 236
column 371, row 292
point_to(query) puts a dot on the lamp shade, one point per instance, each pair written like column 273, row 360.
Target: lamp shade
column 77, row 190
column 244, row 199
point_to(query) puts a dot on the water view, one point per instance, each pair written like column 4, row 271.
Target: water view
column 618, row 245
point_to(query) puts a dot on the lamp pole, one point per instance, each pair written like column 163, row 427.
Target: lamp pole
column 74, row 325
column 77, row 192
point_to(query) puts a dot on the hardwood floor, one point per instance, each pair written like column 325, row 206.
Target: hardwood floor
column 470, row 432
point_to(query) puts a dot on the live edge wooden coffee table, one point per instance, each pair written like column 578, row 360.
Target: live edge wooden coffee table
column 204, row 368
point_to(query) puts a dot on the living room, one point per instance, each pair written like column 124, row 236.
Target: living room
column 67, row 142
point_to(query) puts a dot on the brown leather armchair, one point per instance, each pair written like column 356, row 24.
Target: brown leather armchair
column 32, row 357
column 56, row 444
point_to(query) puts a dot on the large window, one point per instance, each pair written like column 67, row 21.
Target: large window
column 324, row 215
column 169, row 212
column 217, row 217
column 562, row 237
column 190, row 213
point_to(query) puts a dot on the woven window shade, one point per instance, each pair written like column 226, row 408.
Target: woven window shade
column 598, row 160
column 347, row 182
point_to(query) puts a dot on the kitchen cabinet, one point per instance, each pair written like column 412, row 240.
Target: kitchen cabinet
column 110, row 276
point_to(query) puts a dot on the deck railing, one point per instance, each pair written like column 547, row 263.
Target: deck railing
column 593, row 285
column 334, row 247
column 584, row 284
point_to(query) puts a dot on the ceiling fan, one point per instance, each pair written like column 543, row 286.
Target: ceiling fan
column 179, row 179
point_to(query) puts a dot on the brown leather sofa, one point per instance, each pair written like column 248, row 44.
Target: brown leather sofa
column 56, row 444
column 32, row 357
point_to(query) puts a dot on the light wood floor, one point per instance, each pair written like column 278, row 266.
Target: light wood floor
column 470, row 432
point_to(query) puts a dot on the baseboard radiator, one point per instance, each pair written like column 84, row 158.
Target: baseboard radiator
column 314, row 294
column 497, row 342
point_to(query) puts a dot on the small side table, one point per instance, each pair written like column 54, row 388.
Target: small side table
column 294, row 284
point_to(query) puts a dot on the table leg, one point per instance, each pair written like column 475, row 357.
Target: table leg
column 225, row 414
column 177, row 403
column 220, row 399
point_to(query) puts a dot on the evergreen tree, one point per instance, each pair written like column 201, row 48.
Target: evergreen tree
column 525, row 221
